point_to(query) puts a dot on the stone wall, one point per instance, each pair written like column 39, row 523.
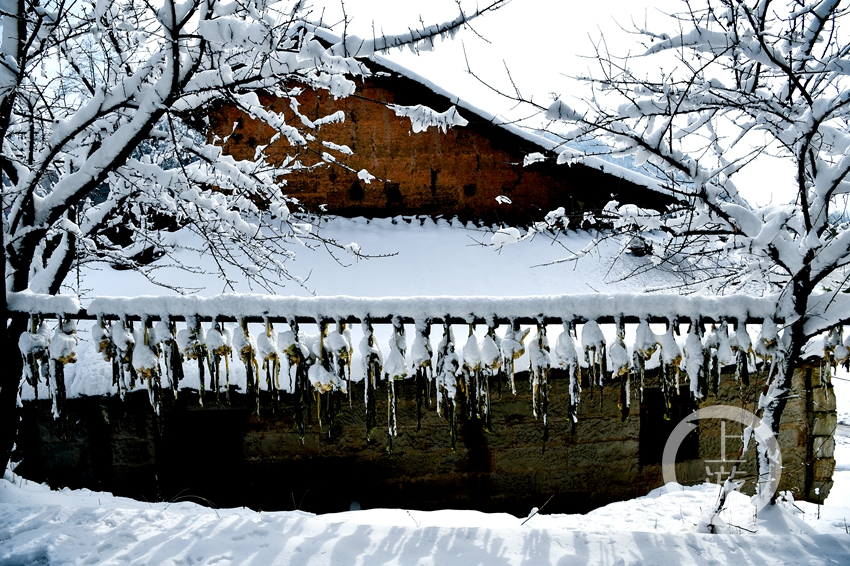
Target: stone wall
column 230, row 457
column 819, row 431
column 456, row 173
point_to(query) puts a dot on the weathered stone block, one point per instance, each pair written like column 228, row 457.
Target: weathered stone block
column 814, row 377
column 529, row 434
column 506, row 482
column 558, row 481
column 796, row 408
column 271, row 445
column 824, row 424
column 791, row 436
column 595, row 454
column 690, row 472
column 823, row 446
column 820, row 491
column 525, row 459
column 823, row 469
column 610, row 428
column 823, row 398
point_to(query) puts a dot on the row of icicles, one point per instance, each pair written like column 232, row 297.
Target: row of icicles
column 318, row 371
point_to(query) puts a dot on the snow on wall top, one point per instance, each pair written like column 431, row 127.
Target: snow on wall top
column 589, row 307
column 29, row 302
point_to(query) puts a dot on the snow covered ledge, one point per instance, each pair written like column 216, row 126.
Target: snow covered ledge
column 599, row 307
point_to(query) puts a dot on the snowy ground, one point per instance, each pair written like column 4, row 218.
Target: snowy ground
column 39, row 526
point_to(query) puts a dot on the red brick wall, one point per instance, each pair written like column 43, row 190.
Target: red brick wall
column 460, row 172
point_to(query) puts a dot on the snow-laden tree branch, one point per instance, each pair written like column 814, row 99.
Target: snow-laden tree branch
column 103, row 115
column 733, row 81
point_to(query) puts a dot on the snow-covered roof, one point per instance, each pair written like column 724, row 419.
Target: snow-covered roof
column 546, row 144
column 419, row 257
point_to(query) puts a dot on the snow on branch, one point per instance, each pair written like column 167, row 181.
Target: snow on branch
column 422, row 117
column 727, row 87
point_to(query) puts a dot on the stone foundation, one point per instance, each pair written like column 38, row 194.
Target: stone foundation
column 226, row 456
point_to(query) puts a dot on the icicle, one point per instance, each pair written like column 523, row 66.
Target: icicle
column 394, row 369
column 63, row 351
column 340, row 343
column 471, row 371
column 146, row 363
column 845, row 361
column 192, row 340
column 34, row 346
column 122, row 337
column 102, row 335
column 328, row 375
column 246, row 345
column 491, row 363
column 293, row 344
column 214, row 340
column 512, row 349
column 541, row 364
column 372, row 360
column 833, row 352
column 268, row 352
column 420, row 356
column 220, row 346
column 770, row 349
column 320, row 375
column 718, row 353
column 448, row 367
column 741, row 345
column 565, row 352
column 711, row 365
column 339, row 347
column 671, row 358
column 620, row 368
column 166, row 335
column 593, row 344
column 646, row 343
column 694, row 360
column 349, row 338
column 292, row 353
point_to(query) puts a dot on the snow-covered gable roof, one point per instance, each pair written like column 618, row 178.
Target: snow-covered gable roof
column 544, row 144
column 534, row 141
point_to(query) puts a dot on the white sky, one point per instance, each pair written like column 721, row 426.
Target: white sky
column 543, row 43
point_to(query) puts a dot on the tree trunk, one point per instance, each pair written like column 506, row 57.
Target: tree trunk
column 9, row 381
column 773, row 411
